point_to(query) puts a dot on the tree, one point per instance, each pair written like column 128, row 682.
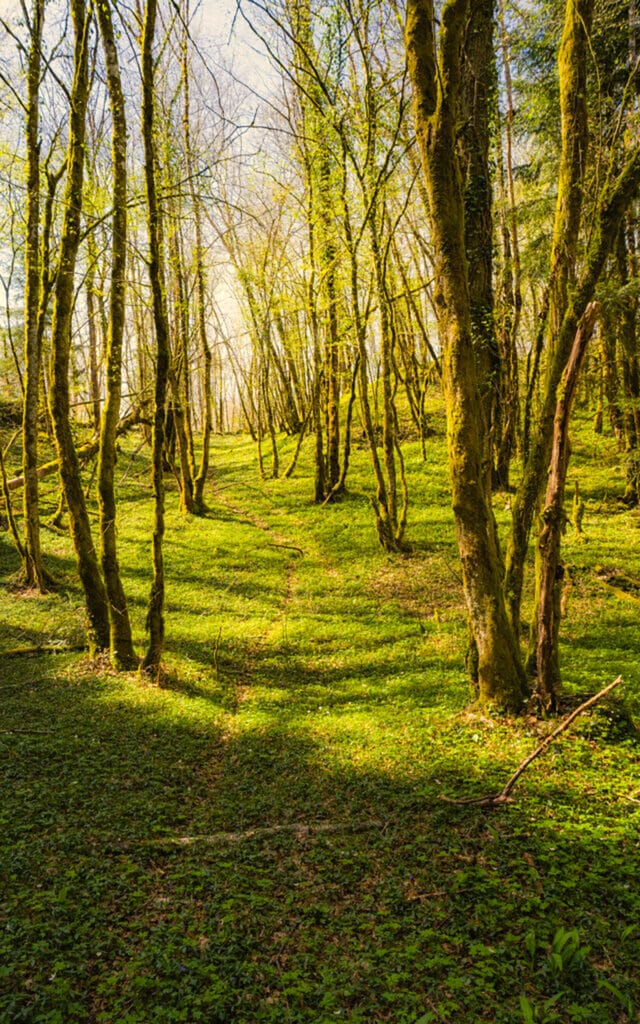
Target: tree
column 435, row 72
column 155, row 617
column 88, row 568
column 34, row 572
column 121, row 644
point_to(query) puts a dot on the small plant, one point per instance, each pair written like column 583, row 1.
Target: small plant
column 543, row 1014
column 566, row 953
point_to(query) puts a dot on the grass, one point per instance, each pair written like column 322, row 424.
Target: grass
column 259, row 837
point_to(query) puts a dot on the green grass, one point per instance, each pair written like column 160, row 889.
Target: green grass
column 260, row 837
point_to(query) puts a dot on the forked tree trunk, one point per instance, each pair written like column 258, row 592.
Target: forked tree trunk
column 501, row 678
column 614, row 201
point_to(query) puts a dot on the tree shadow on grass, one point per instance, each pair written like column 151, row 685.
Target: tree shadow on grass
column 161, row 860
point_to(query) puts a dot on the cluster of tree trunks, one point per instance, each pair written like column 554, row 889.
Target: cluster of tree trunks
column 493, row 591
column 342, row 301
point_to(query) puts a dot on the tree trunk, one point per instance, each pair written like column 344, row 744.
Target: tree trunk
column 614, row 201
column 121, row 643
column 572, row 64
column 89, row 571
column 551, row 570
column 477, row 86
column 501, row 677
column 207, row 401
column 90, row 292
column 33, row 568
column 155, row 616
column 627, row 338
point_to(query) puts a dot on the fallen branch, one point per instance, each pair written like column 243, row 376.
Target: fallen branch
column 297, row 829
column 503, row 796
column 84, row 453
column 43, row 649
column 25, row 732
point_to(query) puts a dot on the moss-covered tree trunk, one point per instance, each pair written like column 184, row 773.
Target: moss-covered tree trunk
column 92, row 313
column 33, row 569
column 476, row 94
column 155, row 616
column 179, row 370
column 627, row 337
column 437, row 111
column 551, row 570
column 200, row 279
column 322, row 185
column 572, row 65
column 510, row 287
column 88, row 568
column 121, row 643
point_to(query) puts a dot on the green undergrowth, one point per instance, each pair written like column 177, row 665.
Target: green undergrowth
column 259, row 835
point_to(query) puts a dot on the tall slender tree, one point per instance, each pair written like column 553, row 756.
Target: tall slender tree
column 121, row 643
column 34, row 572
column 155, row 617
column 88, row 568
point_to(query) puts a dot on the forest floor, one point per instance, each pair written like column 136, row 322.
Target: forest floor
column 259, row 836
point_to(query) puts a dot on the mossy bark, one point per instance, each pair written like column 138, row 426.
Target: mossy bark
column 121, row 643
column 510, row 287
column 628, row 348
column 155, row 615
column 92, row 313
column 616, row 196
column 200, row 280
column 322, row 187
column 501, row 678
column 33, row 568
column 179, row 377
column 609, row 375
column 572, row 68
column 88, row 568
column 477, row 87
column 551, row 569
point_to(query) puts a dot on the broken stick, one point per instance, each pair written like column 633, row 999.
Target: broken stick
column 503, row 796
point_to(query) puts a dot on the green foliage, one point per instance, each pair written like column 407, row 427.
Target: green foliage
column 258, row 838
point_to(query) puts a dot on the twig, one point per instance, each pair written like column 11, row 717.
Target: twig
column 291, row 547
column 216, row 652
column 132, row 460
column 503, row 796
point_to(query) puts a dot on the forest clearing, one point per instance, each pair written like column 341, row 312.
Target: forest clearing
column 320, row 487
column 260, row 835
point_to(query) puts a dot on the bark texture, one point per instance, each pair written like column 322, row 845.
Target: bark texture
column 88, row 568
column 500, row 674
column 32, row 558
column 121, row 643
column 553, row 519
column 155, row 616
